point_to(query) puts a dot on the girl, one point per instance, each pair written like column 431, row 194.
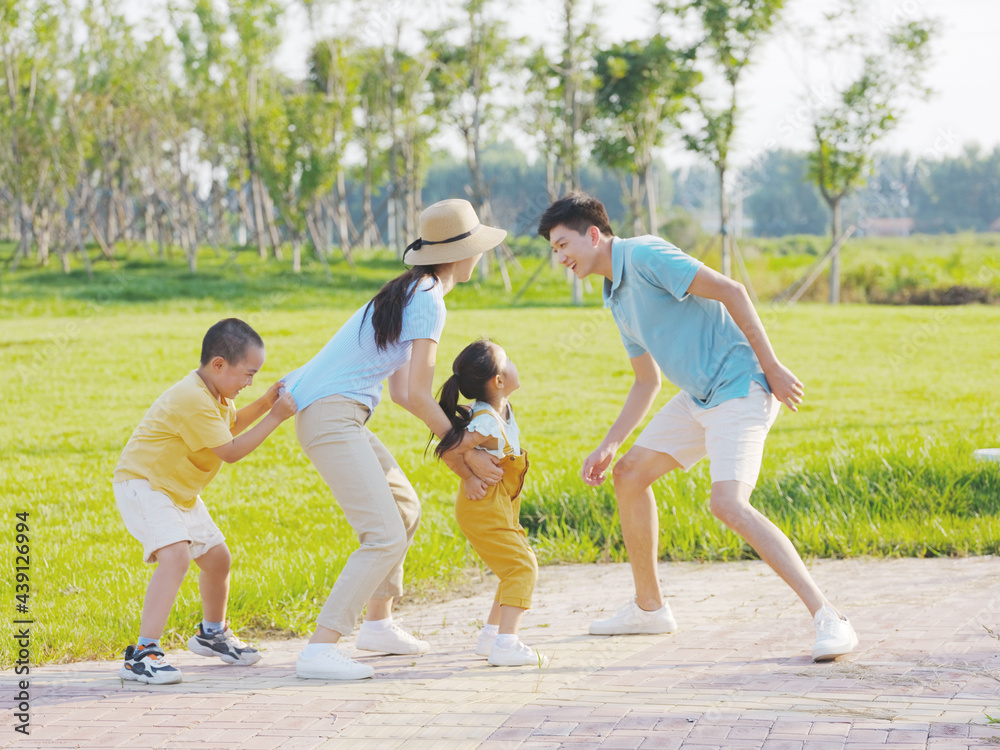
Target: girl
column 485, row 373
column 394, row 336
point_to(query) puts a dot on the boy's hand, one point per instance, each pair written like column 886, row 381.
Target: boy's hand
column 784, row 385
column 484, row 466
column 475, row 488
column 284, row 407
column 272, row 393
column 596, row 464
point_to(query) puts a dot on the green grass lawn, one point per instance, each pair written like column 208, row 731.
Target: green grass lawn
column 878, row 460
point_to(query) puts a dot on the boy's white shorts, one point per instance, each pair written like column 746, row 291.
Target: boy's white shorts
column 731, row 434
column 156, row 521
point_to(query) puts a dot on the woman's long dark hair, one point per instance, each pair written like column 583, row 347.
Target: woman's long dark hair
column 387, row 306
column 472, row 370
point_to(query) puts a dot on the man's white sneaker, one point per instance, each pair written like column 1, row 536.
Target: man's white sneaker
column 834, row 635
column 485, row 643
column 392, row 640
column 518, row 655
column 331, row 664
column 631, row 619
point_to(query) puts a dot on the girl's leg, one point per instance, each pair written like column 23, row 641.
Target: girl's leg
column 171, row 565
column 510, row 619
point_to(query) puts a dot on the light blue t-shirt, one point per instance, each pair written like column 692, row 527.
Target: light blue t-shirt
column 694, row 340
column 351, row 365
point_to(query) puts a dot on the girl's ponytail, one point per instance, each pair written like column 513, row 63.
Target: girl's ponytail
column 459, row 416
column 472, row 370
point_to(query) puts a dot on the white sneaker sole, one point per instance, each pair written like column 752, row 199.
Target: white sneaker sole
column 598, row 628
column 536, row 662
column 830, row 653
column 244, row 661
column 307, row 674
column 125, row 674
column 416, row 650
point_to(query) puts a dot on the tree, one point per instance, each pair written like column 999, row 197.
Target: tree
column 731, row 32
column 641, row 87
column 464, row 81
column 862, row 111
column 783, row 202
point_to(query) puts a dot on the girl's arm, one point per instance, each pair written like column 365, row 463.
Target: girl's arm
column 419, row 401
column 252, row 412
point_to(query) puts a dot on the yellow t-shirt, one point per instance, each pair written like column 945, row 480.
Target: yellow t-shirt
column 172, row 445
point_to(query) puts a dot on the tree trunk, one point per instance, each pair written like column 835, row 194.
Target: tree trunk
column 343, row 223
column 272, row 227
column 649, row 179
column 724, row 224
column 44, row 235
column 835, row 209
column 257, row 194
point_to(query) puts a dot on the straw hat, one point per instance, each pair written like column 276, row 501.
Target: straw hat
column 450, row 231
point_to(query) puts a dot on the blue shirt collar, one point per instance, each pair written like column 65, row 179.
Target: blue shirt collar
column 617, row 264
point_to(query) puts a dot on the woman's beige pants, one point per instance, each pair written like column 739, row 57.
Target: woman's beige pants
column 376, row 497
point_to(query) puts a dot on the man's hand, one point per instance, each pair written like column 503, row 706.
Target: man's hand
column 485, row 466
column 475, row 488
column 284, row 407
column 784, row 385
column 596, row 465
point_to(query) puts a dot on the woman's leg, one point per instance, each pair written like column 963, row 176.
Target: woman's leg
column 333, row 436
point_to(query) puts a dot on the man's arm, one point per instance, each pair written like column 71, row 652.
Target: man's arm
column 640, row 399
column 713, row 285
column 241, row 446
column 252, row 412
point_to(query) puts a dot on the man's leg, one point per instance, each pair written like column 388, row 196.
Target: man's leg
column 633, row 476
column 731, row 505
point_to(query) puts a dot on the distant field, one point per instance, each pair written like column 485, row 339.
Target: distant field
column 877, row 462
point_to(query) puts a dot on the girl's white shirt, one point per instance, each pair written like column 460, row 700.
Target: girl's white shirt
column 487, row 424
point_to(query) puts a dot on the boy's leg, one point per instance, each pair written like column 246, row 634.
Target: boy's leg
column 172, row 563
column 213, row 582
column 731, row 505
column 633, row 477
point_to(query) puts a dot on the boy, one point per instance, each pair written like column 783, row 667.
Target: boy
column 171, row 457
column 700, row 329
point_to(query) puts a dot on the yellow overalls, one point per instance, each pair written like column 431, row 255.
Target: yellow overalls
column 492, row 526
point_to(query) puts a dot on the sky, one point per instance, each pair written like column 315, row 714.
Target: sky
column 791, row 66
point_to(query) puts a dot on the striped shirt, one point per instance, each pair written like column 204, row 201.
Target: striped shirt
column 351, row 365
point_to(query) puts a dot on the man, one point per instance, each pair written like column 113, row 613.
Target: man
column 700, row 329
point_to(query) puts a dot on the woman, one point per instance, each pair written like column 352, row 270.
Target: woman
column 394, row 336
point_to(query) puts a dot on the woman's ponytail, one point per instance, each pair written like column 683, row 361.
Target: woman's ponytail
column 387, row 306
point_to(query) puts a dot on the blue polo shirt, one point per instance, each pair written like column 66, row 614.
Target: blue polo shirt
column 694, row 340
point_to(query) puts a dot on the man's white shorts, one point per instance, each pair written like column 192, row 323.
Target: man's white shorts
column 156, row 521
column 731, row 434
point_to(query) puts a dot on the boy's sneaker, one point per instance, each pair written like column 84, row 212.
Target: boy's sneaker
column 485, row 643
column 392, row 640
column 834, row 635
column 225, row 645
column 631, row 619
column 148, row 664
column 331, row 664
column 518, row 655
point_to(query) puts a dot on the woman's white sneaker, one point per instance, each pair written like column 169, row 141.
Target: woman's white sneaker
column 517, row 655
column 330, row 663
column 834, row 635
column 390, row 640
column 631, row 619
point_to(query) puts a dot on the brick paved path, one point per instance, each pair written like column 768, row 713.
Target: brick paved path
column 736, row 675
